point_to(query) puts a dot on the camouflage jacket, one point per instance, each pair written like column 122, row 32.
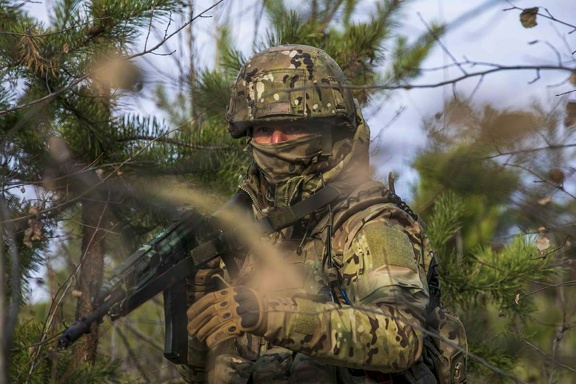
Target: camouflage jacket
column 378, row 258
column 377, row 252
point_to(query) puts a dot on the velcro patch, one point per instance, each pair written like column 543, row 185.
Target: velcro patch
column 387, row 245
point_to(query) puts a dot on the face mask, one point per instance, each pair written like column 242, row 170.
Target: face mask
column 282, row 161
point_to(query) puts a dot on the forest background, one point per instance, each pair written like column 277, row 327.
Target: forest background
column 112, row 118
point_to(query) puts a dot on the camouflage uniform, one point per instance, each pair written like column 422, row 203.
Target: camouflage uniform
column 337, row 318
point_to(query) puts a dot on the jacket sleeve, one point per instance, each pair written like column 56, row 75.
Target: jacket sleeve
column 381, row 330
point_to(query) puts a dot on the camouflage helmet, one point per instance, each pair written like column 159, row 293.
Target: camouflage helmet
column 286, row 83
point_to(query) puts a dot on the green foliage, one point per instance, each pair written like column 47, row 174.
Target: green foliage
column 465, row 171
column 503, row 282
column 409, row 55
column 29, row 364
column 487, row 287
column 498, row 348
column 445, row 221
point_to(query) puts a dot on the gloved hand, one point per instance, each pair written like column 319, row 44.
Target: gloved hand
column 203, row 281
column 226, row 314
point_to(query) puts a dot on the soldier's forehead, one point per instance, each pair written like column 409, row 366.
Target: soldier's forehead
column 290, row 123
column 314, row 123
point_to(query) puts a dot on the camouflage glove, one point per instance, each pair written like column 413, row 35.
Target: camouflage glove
column 226, row 314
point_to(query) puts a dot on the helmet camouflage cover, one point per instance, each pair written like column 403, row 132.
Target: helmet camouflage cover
column 285, row 83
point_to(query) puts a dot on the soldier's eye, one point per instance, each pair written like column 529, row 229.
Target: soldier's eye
column 262, row 131
column 295, row 130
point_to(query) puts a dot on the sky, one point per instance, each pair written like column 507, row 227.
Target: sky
column 490, row 35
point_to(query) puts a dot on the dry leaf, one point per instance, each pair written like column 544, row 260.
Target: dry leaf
column 570, row 117
column 517, row 298
column 76, row 293
column 528, row 17
column 556, row 176
column 34, row 230
column 34, row 210
column 542, row 243
column 544, row 200
column 26, row 240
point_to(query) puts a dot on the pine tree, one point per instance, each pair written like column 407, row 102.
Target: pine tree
column 474, row 200
column 368, row 50
column 60, row 90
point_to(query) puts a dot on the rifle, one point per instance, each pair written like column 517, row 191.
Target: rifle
column 162, row 265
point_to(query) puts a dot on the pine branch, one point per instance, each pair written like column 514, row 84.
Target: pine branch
column 51, row 96
column 178, row 143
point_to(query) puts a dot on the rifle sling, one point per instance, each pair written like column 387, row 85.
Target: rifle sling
column 284, row 217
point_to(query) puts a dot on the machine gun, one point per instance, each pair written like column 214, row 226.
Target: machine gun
column 162, row 265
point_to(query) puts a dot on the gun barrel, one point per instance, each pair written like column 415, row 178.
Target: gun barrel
column 83, row 325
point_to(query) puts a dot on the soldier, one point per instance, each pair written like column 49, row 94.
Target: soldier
column 350, row 303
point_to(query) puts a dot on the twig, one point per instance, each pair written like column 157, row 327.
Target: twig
column 133, row 356
column 444, row 48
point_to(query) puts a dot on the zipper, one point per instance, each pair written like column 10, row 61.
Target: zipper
column 253, row 198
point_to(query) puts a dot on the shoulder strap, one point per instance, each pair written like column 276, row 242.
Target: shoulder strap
column 287, row 216
column 377, row 194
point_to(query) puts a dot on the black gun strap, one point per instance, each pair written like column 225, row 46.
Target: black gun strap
column 285, row 217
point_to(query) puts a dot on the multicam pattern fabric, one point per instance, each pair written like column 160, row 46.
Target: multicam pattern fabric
column 289, row 82
column 292, row 158
column 451, row 344
column 383, row 277
column 380, row 330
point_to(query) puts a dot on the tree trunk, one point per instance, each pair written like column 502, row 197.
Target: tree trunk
column 91, row 270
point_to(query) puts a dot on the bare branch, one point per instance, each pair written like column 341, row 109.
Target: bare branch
column 540, row 178
column 548, row 357
column 133, row 356
column 444, row 48
column 548, row 15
